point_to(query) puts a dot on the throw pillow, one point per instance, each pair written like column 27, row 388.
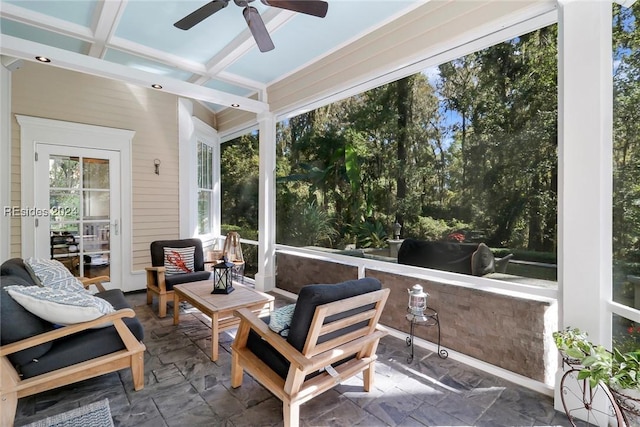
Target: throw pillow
column 33, row 275
column 59, row 306
column 280, row 320
column 53, row 274
column 179, row 260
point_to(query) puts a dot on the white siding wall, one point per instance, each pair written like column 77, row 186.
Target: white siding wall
column 45, row 91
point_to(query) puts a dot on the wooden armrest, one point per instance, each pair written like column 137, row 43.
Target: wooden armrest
column 96, row 281
column 277, row 342
column 35, row 340
column 338, row 353
column 155, row 277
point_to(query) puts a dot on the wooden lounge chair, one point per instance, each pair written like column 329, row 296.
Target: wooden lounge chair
column 333, row 336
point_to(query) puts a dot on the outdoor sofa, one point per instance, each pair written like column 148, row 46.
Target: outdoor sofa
column 36, row 355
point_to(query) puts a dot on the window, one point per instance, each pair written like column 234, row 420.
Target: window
column 205, row 188
column 465, row 152
column 626, row 173
column 199, row 177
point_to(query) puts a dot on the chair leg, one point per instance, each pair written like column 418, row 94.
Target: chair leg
column 137, row 371
column 162, row 305
column 8, row 406
column 236, row 370
column 291, row 414
column 149, row 297
column 368, row 376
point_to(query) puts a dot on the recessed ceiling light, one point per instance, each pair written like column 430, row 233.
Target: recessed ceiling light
column 43, row 59
column 156, row 86
column 235, row 105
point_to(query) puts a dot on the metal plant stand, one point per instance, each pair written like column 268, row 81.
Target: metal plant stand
column 430, row 318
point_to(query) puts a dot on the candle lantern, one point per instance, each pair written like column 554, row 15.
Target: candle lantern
column 417, row 303
column 223, row 277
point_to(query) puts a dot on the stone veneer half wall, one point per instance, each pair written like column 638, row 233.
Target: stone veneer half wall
column 508, row 330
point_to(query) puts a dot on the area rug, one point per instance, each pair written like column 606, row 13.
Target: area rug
column 95, row 414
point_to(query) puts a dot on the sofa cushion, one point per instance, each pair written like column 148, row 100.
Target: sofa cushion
column 176, row 279
column 17, row 267
column 88, row 344
column 311, row 296
column 16, row 323
column 178, row 260
column 53, row 274
column 59, row 306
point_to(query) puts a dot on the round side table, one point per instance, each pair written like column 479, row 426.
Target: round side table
column 430, row 318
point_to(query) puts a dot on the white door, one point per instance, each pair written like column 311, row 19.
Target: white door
column 78, row 189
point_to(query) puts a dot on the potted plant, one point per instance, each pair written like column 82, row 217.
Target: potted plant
column 619, row 371
column 573, row 345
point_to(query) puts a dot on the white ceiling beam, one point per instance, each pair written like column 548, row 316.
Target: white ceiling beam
column 24, row 49
column 156, row 55
column 107, row 17
column 240, row 81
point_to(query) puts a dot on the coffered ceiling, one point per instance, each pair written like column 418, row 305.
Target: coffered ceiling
column 216, row 61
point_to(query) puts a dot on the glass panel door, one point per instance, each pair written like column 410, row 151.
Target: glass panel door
column 79, row 205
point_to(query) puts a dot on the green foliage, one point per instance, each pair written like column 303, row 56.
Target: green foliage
column 616, row 369
column 626, row 132
column 427, row 228
column 476, row 141
column 628, row 339
column 522, row 255
column 239, row 171
column 370, row 234
column 305, row 225
column 572, row 342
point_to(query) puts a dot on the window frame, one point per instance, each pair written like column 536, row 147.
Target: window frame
column 199, row 178
column 199, row 132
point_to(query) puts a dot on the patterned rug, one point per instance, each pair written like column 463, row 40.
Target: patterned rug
column 95, row 414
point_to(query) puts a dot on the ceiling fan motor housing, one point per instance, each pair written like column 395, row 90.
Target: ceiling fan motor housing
column 254, row 21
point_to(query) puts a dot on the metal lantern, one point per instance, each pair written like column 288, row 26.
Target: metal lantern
column 223, row 277
column 417, row 303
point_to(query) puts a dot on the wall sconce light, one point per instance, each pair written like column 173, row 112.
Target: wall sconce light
column 156, row 162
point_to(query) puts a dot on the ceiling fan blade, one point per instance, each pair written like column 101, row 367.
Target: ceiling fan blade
column 310, row 7
column 201, row 14
column 258, row 29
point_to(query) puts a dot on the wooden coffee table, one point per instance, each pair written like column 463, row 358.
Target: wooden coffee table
column 219, row 307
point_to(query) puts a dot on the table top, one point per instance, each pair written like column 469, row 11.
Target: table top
column 242, row 296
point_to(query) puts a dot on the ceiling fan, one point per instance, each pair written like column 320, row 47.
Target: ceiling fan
column 251, row 15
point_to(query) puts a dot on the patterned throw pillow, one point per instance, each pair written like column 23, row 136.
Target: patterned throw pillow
column 280, row 320
column 179, row 260
column 53, row 274
column 59, row 306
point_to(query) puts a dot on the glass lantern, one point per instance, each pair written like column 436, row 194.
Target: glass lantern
column 417, row 304
column 232, row 249
column 223, row 277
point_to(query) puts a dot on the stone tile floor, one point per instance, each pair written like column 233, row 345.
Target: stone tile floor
column 184, row 388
